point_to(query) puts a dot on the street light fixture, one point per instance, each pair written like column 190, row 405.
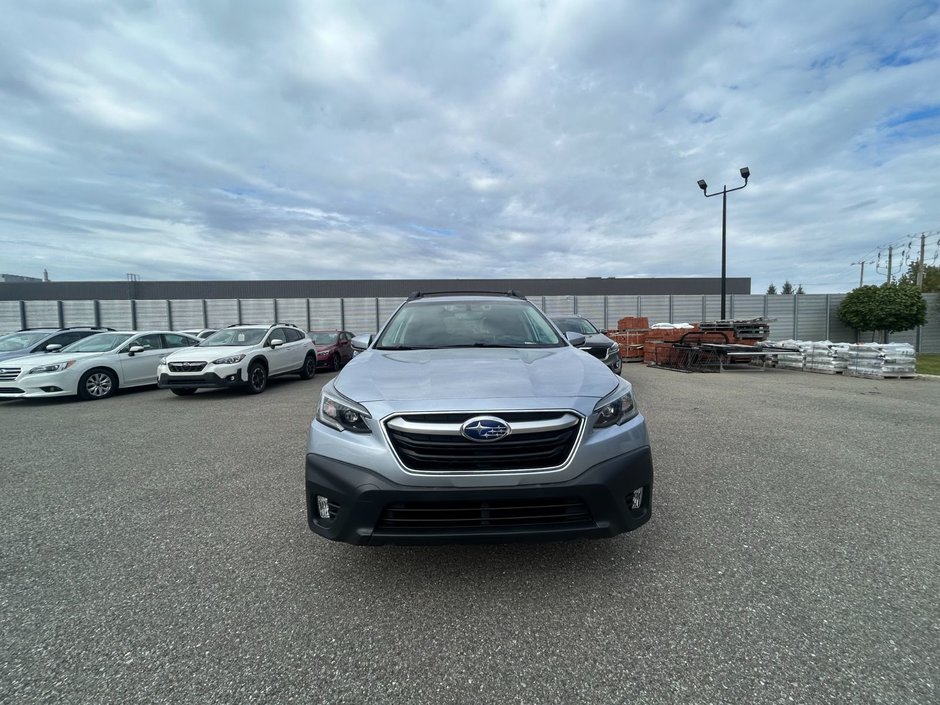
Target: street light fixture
column 745, row 174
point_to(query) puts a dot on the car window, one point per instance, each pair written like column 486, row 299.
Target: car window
column 100, row 342
column 206, row 333
column 64, row 339
column 152, row 341
column 293, row 335
column 578, row 325
column 174, row 340
column 21, row 340
column 234, row 337
column 323, row 338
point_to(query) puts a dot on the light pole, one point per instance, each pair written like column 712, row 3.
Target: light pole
column 745, row 174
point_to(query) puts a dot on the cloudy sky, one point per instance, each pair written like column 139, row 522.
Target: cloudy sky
column 225, row 139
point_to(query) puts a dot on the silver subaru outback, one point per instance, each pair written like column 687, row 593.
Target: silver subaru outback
column 471, row 418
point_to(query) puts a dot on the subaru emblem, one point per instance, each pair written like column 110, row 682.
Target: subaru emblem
column 485, row 429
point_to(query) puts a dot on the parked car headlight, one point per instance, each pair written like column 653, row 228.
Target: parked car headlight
column 323, row 353
column 230, row 360
column 613, row 350
column 615, row 409
column 336, row 411
column 162, row 360
column 56, row 367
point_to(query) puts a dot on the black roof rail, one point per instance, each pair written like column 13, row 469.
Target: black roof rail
column 423, row 294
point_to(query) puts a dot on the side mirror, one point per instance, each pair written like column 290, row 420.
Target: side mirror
column 362, row 342
column 134, row 349
column 52, row 347
column 576, row 339
column 275, row 342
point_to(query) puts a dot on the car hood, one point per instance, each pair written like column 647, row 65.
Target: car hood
column 489, row 373
column 12, row 355
column 324, row 348
column 598, row 340
column 39, row 359
column 197, row 354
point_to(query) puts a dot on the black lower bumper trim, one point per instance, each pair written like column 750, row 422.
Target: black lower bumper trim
column 208, row 379
column 366, row 508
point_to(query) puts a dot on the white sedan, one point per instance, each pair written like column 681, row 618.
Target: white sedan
column 93, row 368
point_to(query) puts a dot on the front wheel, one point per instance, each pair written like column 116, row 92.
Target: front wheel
column 310, row 367
column 97, row 384
column 337, row 362
column 257, row 378
column 183, row 391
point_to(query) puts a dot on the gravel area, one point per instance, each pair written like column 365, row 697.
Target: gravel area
column 154, row 550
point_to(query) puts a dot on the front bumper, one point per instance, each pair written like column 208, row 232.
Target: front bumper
column 362, row 503
column 200, row 381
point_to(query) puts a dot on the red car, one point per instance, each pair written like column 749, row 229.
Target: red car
column 333, row 347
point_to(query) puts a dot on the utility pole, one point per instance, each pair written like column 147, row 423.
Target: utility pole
column 920, row 267
column 861, row 278
column 890, row 250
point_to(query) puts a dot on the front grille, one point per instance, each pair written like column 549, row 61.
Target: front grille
column 599, row 352
column 488, row 515
column 433, row 443
column 187, row 366
column 9, row 373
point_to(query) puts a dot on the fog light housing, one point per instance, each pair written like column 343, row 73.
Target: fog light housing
column 636, row 499
column 323, row 507
column 51, row 389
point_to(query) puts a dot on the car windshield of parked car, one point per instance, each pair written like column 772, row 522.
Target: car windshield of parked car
column 323, row 338
column 100, row 342
column 234, row 337
column 459, row 324
column 19, row 341
column 577, row 325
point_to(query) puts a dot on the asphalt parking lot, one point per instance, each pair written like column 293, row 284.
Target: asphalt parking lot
column 155, row 550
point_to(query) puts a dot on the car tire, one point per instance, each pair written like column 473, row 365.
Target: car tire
column 97, row 384
column 257, row 378
column 183, row 391
column 337, row 362
column 309, row 370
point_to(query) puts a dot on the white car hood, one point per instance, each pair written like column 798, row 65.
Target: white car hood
column 40, row 359
column 197, row 354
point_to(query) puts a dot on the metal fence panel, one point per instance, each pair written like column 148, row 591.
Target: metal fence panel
column 116, row 314
column 747, row 305
column 812, row 317
column 592, row 308
column 78, row 313
column 388, row 306
column 930, row 333
column 360, row 315
column 42, row 314
column 187, row 314
column 655, row 308
column 620, row 306
column 10, row 316
column 326, row 314
column 838, row 331
column 559, row 305
column 152, row 314
column 780, row 313
column 258, row 311
column 686, row 309
column 293, row 311
column 713, row 307
column 221, row 312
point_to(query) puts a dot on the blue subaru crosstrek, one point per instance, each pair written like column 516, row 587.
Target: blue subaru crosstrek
column 470, row 418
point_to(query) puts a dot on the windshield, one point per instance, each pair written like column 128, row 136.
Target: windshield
column 234, row 337
column 323, row 338
column 18, row 341
column 482, row 323
column 100, row 342
column 577, row 325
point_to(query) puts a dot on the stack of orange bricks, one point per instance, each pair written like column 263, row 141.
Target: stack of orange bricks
column 659, row 343
column 631, row 335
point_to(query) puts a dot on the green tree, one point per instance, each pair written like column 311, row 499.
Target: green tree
column 787, row 287
column 888, row 308
column 771, row 289
column 799, row 289
column 931, row 276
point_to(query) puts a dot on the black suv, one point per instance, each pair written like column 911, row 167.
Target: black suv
column 37, row 340
column 595, row 342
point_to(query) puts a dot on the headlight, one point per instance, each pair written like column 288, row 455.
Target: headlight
column 230, row 360
column 618, row 408
column 613, row 350
column 323, row 353
column 57, row 367
column 162, row 360
column 336, row 411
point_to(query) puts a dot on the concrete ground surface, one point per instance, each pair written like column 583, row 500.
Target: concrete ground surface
column 154, row 550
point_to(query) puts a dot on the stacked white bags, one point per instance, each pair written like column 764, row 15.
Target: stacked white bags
column 879, row 360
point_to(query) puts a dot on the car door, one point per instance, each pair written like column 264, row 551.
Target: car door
column 141, row 368
column 279, row 357
column 297, row 345
column 345, row 346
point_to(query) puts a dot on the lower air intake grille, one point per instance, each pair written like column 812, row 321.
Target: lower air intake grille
column 511, row 514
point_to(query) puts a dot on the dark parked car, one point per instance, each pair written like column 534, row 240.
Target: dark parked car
column 334, row 347
column 595, row 342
